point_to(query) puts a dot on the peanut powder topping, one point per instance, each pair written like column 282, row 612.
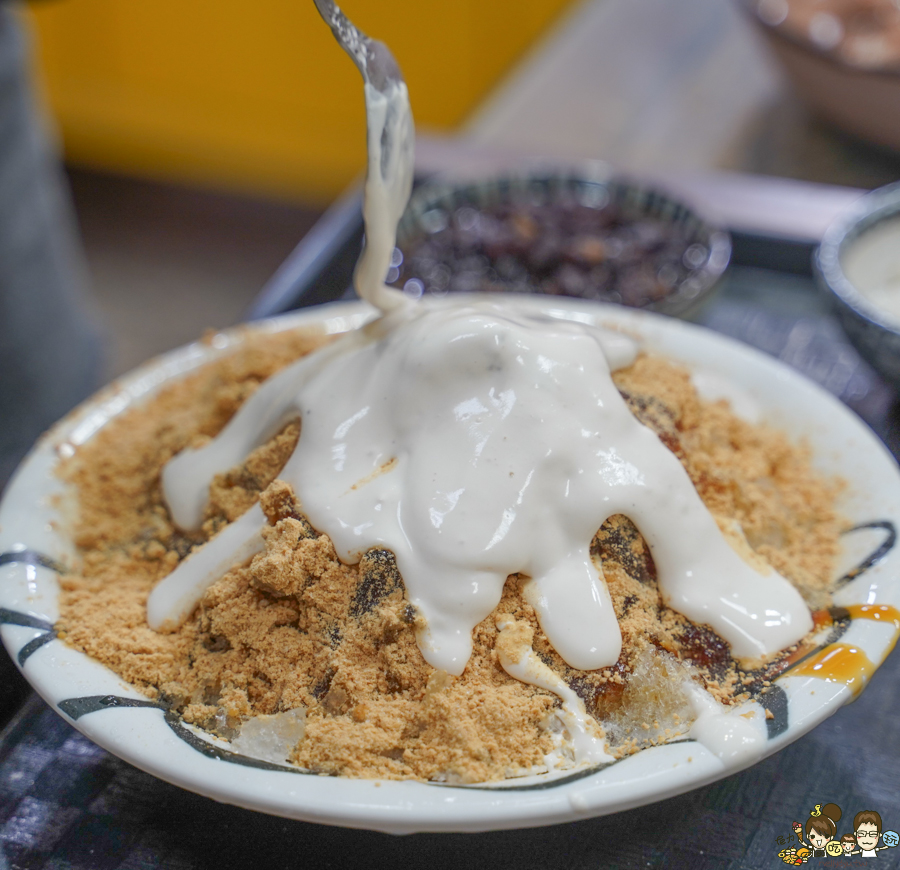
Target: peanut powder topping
column 295, row 629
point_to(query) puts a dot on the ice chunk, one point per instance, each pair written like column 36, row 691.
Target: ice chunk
column 271, row 738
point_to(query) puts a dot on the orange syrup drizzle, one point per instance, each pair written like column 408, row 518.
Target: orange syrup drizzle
column 877, row 612
column 821, row 619
column 838, row 663
column 845, row 663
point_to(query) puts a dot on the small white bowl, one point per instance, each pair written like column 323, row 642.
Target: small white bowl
column 103, row 707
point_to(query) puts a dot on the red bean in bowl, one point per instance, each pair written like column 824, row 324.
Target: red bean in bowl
column 609, row 241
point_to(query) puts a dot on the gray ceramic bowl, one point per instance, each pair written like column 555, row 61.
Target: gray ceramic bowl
column 701, row 260
column 875, row 334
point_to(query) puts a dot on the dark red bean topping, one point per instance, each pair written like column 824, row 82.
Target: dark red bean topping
column 560, row 248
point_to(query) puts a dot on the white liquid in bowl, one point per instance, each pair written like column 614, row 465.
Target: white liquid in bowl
column 872, row 265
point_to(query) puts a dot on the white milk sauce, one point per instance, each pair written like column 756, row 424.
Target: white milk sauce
column 388, row 185
column 475, row 440
column 585, row 736
column 735, row 735
column 872, row 265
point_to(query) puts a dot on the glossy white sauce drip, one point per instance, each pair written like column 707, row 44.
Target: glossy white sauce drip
column 475, row 441
column 585, row 736
column 388, row 184
column 736, row 735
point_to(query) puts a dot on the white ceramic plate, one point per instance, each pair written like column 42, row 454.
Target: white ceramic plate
column 103, row 707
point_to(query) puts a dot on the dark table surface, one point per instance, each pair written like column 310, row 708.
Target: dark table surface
column 67, row 804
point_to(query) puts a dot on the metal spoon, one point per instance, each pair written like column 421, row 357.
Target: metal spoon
column 391, row 143
column 373, row 58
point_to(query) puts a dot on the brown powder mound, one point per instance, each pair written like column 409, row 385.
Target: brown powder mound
column 751, row 474
column 117, row 474
column 295, row 628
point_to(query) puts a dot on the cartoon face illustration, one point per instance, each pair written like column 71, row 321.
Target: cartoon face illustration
column 867, row 835
column 848, row 843
column 821, row 826
column 818, row 840
column 867, row 827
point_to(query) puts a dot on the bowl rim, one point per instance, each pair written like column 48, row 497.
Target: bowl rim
column 829, row 57
column 870, row 209
column 121, row 720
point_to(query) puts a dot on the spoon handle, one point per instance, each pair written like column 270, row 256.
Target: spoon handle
column 373, row 58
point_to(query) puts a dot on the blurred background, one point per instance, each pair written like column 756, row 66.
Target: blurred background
column 202, row 140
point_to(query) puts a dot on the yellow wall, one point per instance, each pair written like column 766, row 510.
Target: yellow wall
column 258, row 95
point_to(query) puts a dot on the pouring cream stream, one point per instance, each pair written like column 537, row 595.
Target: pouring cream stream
column 475, row 439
